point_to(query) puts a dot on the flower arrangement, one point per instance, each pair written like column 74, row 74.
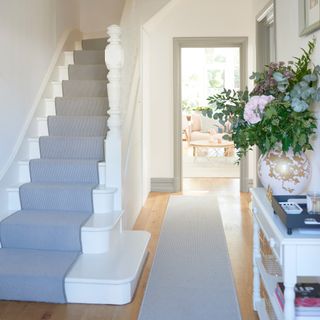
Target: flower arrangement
column 276, row 111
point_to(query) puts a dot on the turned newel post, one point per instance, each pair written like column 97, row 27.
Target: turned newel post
column 114, row 62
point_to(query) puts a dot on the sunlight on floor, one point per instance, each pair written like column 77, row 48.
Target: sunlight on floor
column 208, row 165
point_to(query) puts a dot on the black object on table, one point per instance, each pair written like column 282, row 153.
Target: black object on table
column 303, row 220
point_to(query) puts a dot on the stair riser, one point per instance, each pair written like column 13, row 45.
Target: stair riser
column 95, row 242
column 34, row 149
column 24, row 172
column 42, row 130
column 102, row 200
column 55, row 89
column 60, row 73
column 68, row 58
column 63, row 73
column 42, row 127
column 78, row 45
column 102, row 293
column 50, row 108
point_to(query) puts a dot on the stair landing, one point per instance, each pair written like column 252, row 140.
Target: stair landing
column 112, row 277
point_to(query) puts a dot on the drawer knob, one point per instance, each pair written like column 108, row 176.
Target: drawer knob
column 272, row 243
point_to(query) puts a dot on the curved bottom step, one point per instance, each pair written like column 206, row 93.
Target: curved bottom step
column 112, row 277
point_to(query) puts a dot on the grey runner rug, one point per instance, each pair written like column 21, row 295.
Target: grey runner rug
column 191, row 277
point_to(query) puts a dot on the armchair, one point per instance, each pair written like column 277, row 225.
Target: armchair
column 203, row 128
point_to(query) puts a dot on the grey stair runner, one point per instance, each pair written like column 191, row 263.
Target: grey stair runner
column 89, row 57
column 94, row 44
column 84, row 106
column 77, row 126
column 87, row 72
column 41, row 242
column 72, row 148
column 57, row 196
column 64, row 171
column 84, row 88
column 34, row 275
column 56, row 230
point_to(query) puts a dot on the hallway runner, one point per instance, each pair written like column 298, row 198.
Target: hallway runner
column 191, row 276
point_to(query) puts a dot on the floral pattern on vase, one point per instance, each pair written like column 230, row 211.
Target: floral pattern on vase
column 285, row 172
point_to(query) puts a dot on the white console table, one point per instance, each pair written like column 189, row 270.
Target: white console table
column 298, row 255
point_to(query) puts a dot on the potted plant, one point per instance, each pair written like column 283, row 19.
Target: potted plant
column 276, row 117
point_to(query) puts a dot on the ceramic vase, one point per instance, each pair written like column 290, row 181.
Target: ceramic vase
column 285, row 173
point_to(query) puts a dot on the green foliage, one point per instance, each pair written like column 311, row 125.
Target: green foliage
column 206, row 111
column 286, row 120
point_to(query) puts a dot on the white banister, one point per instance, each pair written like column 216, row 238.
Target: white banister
column 114, row 62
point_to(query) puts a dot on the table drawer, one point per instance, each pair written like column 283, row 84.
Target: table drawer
column 273, row 240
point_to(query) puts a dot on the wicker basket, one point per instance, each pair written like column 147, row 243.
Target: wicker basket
column 268, row 258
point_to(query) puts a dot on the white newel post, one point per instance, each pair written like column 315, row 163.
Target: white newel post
column 114, row 62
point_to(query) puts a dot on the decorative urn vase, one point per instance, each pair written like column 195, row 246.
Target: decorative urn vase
column 285, row 173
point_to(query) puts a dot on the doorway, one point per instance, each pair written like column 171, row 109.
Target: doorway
column 203, row 67
column 206, row 152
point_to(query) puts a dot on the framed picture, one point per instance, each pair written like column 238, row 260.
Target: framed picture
column 309, row 19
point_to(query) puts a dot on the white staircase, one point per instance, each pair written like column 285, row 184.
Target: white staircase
column 108, row 270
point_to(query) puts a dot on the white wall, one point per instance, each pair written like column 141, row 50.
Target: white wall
column 288, row 46
column 186, row 18
column 67, row 16
column 97, row 15
column 136, row 184
column 29, row 31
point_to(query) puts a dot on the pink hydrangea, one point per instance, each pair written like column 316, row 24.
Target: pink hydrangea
column 254, row 108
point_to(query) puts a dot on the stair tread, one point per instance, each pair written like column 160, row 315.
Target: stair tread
column 119, row 265
column 26, row 161
column 97, row 222
column 97, row 189
column 32, row 269
column 43, row 230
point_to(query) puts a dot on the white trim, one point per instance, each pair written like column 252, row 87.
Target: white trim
column 66, row 42
column 203, row 42
column 94, row 35
column 163, row 184
column 266, row 13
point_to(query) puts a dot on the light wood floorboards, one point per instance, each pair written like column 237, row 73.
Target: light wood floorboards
column 238, row 229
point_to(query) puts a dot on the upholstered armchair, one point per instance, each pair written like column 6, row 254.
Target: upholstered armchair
column 203, row 128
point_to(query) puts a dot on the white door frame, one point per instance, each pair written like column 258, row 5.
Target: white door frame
column 265, row 19
column 200, row 42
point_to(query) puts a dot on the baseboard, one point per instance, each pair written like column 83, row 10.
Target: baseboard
column 246, row 184
column 163, row 184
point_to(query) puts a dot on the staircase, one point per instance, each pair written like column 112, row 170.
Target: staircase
column 63, row 215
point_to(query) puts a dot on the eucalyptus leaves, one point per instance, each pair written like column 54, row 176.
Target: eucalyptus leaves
column 277, row 110
column 292, row 82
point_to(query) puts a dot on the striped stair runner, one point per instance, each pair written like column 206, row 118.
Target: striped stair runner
column 41, row 242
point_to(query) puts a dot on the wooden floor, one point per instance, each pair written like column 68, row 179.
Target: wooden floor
column 238, row 229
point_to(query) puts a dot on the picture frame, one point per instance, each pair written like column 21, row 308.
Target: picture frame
column 309, row 16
